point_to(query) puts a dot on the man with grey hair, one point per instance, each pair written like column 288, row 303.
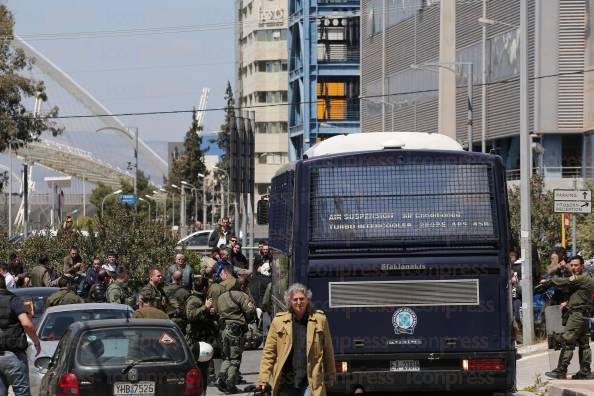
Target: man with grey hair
column 306, row 371
column 186, row 270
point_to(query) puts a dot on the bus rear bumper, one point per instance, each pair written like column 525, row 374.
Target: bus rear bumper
column 438, row 372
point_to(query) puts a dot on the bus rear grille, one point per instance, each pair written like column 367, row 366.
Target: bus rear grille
column 404, row 293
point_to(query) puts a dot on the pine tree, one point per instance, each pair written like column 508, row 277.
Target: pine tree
column 190, row 164
column 15, row 120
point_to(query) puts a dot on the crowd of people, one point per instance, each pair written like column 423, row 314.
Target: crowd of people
column 214, row 303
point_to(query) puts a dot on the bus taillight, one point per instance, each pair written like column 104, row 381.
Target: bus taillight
column 342, row 367
column 483, row 365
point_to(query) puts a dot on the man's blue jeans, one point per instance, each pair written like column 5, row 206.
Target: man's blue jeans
column 14, row 371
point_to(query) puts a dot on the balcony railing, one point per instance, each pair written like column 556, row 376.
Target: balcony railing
column 565, row 172
column 337, row 110
column 338, row 53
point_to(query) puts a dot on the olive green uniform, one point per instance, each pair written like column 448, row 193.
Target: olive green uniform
column 201, row 323
column 216, row 289
column 63, row 296
column 575, row 319
column 177, row 296
column 41, row 276
column 235, row 309
column 119, row 293
column 149, row 313
column 161, row 301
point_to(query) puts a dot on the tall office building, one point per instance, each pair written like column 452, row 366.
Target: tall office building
column 323, row 43
column 560, row 54
column 261, row 81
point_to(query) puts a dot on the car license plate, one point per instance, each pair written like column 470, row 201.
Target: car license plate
column 405, row 365
column 142, row 388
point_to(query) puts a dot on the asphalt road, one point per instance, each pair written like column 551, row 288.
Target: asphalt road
column 527, row 368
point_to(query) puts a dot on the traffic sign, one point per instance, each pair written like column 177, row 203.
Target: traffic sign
column 129, row 199
column 573, row 195
column 573, row 207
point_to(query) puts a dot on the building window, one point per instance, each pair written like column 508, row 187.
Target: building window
column 273, row 158
column 272, row 66
column 271, row 127
column 272, row 97
column 271, row 35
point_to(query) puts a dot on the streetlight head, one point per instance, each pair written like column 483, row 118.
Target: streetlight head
column 162, row 190
column 184, row 182
column 174, row 186
column 116, row 192
column 486, row 21
column 201, row 175
column 141, row 199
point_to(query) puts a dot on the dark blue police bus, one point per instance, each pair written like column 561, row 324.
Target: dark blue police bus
column 403, row 240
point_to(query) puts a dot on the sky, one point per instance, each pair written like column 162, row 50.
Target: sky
column 138, row 55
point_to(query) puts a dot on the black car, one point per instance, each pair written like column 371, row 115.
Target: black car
column 35, row 297
column 138, row 357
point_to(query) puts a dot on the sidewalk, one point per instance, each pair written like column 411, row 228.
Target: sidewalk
column 570, row 388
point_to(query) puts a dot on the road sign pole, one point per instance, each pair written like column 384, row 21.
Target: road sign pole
column 573, row 235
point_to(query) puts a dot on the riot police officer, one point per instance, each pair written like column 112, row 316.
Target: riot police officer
column 576, row 311
column 236, row 309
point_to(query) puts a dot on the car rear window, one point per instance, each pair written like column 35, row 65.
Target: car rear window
column 119, row 346
column 56, row 323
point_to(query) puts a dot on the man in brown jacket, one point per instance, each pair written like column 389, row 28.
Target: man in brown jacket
column 292, row 334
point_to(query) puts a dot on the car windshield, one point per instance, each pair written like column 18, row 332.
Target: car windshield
column 123, row 346
column 56, row 323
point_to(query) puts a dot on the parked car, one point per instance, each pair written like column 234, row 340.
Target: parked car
column 35, row 298
column 146, row 357
column 54, row 323
column 196, row 241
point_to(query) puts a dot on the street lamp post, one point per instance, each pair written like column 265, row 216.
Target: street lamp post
column 195, row 190
column 156, row 206
column 181, row 210
column 203, row 198
column 107, row 196
column 149, row 205
column 10, row 183
column 485, row 22
column 469, row 83
column 228, row 189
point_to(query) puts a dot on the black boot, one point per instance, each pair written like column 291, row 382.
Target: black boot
column 232, row 389
column 558, row 373
column 222, row 385
column 584, row 373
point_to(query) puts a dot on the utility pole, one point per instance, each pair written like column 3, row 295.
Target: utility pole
column 447, row 77
column 25, row 197
column 484, row 81
column 525, row 176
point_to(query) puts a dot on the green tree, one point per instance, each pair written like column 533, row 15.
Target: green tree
column 223, row 140
column 585, row 230
column 546, row 224
column 190, row 164
column 15, row 120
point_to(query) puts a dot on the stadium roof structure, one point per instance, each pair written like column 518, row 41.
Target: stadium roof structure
column 84, row 162
column 72, row 161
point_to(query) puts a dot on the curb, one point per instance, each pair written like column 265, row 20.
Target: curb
column 556, row 390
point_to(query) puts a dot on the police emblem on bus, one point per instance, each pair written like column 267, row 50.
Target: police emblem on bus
column 404, row 321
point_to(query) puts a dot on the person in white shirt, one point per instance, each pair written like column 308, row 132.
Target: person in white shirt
column 8, row 278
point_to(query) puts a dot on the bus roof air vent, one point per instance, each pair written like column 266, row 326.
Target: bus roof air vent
column 393, row 144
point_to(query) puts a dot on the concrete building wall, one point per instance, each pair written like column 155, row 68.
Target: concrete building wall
column 261, row 81
column 560, row 52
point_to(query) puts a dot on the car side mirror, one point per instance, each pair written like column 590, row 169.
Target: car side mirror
column 43, row 363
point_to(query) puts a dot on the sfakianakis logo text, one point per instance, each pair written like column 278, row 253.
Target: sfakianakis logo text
column 404, row 321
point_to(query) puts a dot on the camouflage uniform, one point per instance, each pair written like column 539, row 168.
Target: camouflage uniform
column 216, row 289
column 177, row 296
column 575, row 320
column 118, row 293
column 236, row 309
column 161, row 301
column 63, row 296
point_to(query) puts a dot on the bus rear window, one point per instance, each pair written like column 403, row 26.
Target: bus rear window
column 441, row 202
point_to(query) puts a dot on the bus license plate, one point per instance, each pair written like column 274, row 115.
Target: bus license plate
column 405, row 365
column 143, row 388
